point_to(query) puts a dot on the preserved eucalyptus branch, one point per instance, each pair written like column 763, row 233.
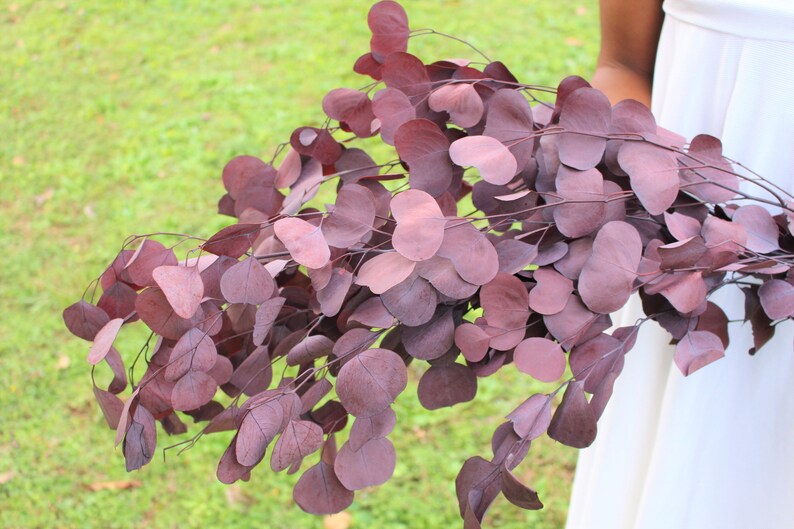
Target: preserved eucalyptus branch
column 506, row 232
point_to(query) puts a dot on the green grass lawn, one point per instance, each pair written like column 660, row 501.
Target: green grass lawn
column 116, row 118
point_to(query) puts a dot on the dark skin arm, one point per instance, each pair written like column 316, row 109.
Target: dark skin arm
column 629, row 37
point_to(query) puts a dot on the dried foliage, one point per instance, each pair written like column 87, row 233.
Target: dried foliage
column 577, row 206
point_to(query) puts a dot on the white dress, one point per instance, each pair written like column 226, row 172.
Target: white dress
column 714, row 450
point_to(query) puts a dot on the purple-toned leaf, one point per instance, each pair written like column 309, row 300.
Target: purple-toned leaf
column 367, row 428
column 407, row 74
column 367, row 65
column 149, row 255
column 574, row 422
column 472, row 254
column 432, row 339
column 314, row 395
column 685, row 291
column 444, row 386
column 266, row 315
column 317, row 143
column 193, row 390
column 233, row 241
column 495, row 163
column 247, row 282
column 461, row 101
column 229, row 469
column 305, row 242
column 551, row 292
column 607, row 278
column 351, row 107
column 393, row 108
column 195, row 351
column 653, row 172
column 389, row 25
column 353, row 342
column 681, row 226
column 103, row 341
column 519, row 494
column 515, row 255
column 540, row 358
column 155, row 311
column 532, row 418
column 182, row 286
column 681, row 254
column 709, row 176
column 255, row 374
column 299, row 439
column 725, row 235
column 573, row 324
column 116, row 363
column 371, row 465
column 584, row 207
column 697, row 349
column 309, row 349
column 244, row 172
column 762, row 231
column 578, row 252
column 510, row 121
column 384, row 271
column 140, row 440
column 478, row 480
column 441, row 273
column 777, row 298
column 369, row 382
column 585, row 115
column 84, row 320
column 425, row 149
column 412, row 302
column 289, row 170
column 118, row 301
column 592, row 361
column 259, row 427
column 506, row 304
column 472, row 341
column 352, row 217
column 110, row 405
column 319, row 491
column 372, row 313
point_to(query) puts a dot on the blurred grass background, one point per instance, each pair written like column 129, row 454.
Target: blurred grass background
column 117, row 118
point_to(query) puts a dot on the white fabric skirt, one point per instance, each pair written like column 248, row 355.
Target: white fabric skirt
column 714, row 450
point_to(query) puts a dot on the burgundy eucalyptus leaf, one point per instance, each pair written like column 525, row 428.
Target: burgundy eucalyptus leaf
column 407, row 74
column 118, row 301
column 709, row 176
column 372, row 313
column 110, row 405
column 574, row 422
column 551, row 292
column 229, row 469
column 195, row 351
column 519, row 494
column 149, row 255
column 247, row 282
column 510, row 121
column 140, row 440
column 586, row 117
column 182, row 286
column 444, row 386
column 515, row 255
column 532, row 418
column 432, row 339
column 155, row 311
column 584, row 207
column 351, row 107
column 332, row 296
column 653, row 172
column 299, row 439
column 244, row 172
column 371, row 465
column 471, row 253
column 311, row 348
column 777, row 299
column 506, row 304
column 607, row 278
column 314, row 395
column 389, row 25
column 289, row 170
column 84, row 320
column 472, row 340
column 420, row 225
column 103, row 341
column 412, row 302
column 193, row 390
column 461, row 101
column 761, row 229
column 266, row 316
column 384, row 271
column 697, row 349
column 259, row 427
column 233, row 241
column 369, row 383
column 305, row 242
column 593, row 360
column 352, row 217
column 319, row 491
column 392, row 108
column 681, row 226
column 255, row 373
column 488, row 155
column 540, row 358
column 441, row 273
column 367, row 428
column 317, row 143
column 422, row 145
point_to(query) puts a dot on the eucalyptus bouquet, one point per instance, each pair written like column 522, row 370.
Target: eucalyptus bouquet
column 506, row 230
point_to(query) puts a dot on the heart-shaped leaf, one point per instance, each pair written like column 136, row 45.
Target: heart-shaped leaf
column 492, row 159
